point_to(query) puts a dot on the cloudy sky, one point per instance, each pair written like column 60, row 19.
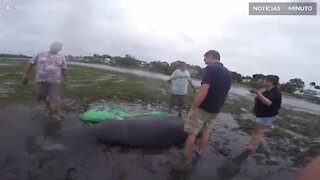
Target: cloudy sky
column 167, row 30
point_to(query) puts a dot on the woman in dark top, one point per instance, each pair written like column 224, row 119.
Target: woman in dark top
column 266, row 108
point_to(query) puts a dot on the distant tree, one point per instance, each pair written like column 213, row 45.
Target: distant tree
column 258, row 77
column 14, row 56
column 297, row 83
column 236, row 77
column 174, row 65
column 312, row 84
column 158, row 66
column 196, row 71
column 106, row 56
column 247, row 78
column 287, row 87
column 127, row 61
column 317, row 87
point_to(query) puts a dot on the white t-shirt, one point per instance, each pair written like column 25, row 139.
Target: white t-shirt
column 180, row 82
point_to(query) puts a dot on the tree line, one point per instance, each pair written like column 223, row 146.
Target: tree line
column 13, row 56
column 164, row 67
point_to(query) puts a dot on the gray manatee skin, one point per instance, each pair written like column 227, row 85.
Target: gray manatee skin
column 139, row 132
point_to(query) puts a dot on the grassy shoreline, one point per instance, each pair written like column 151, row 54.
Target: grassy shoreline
column 86, row 85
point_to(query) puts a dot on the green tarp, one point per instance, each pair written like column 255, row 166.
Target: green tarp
column 113, row 112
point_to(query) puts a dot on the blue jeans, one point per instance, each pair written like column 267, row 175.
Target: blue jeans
column 266, row 121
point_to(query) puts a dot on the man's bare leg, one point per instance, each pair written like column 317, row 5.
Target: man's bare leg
column 188, row 147
column 203, row 142
column 171, row 103
column 180, row 105
column 54, row 106
column 180, row 108
column 47, row 104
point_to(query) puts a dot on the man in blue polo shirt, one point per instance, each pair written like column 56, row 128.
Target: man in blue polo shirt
column 215, row 85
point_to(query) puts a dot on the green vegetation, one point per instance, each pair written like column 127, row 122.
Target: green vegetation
column 128, row 61
column 11, row 89
column 302, row 123
column 196, row 71
column 13, row 56
column 238, row 106
column 85, row 85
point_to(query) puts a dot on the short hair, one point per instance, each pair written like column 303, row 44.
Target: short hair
column 56, row 46
column 273, row 78
column 215, row 54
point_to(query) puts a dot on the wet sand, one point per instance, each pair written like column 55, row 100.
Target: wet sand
column 33, row 147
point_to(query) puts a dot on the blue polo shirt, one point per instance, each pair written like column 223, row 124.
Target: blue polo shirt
column 219, row 79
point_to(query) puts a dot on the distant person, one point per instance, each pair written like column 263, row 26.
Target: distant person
column 50, row 74
column 180, row 79
column 215, row 85
column 266, row 108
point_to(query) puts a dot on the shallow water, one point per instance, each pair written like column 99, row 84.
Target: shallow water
column 32, row 147
column 4, row 64
column 288, row 102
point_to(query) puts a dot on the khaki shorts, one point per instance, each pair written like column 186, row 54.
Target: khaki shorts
column 200, row 121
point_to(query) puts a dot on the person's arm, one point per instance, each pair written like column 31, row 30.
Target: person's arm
column 192, row 86
column 262, row 98
column 203, row 91
column 172, row 77
column 64, row 67
column 28, row 71
column 201, row 95
column 30, row 65
column 191, row 83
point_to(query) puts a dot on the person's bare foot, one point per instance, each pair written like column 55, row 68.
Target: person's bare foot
column 250, row 147
column 57, row 118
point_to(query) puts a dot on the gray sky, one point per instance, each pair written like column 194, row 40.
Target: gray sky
column 167, row 30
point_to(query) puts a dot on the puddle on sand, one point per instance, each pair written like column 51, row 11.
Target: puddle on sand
column 222, row 160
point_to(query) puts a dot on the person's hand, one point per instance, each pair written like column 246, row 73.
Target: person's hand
column 25, row 79
column 195, row 90
column 254, row 91
column 64, row 82
column 190, row 113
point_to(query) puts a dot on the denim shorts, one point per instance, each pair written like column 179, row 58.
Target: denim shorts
column 266, row 121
